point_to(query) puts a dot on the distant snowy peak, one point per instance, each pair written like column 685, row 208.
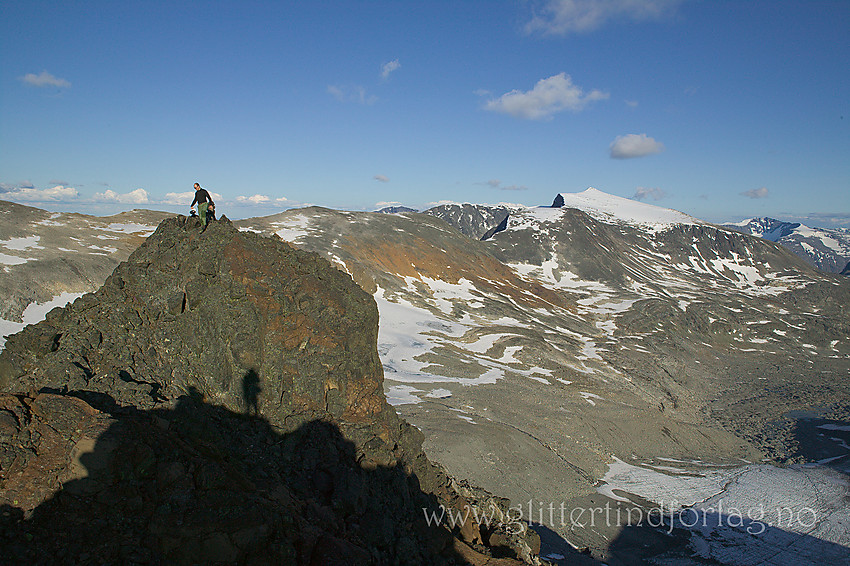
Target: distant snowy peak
column 824, row 248
column 767, row 228
column 611, row 208
column 396, row 210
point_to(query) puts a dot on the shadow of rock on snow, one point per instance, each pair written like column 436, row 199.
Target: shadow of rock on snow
column 822, row 441
column 763, row 514
column 198, row 484
column 730, row 540
column 693, row 538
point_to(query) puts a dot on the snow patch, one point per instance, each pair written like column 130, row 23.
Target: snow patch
column 402, row 395
column 293, row 228
column 128, row 228
column 34, row 313
column 21, row 244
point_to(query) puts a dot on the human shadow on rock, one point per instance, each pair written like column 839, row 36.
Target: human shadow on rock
column 251, row 391
column 202, row 484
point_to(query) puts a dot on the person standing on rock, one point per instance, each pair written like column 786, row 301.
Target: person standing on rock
column 204, row 200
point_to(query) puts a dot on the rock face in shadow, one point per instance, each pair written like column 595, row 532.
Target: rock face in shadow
column 198, row 483
column 220, row 398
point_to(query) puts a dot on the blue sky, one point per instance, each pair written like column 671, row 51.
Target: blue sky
column 720, row 109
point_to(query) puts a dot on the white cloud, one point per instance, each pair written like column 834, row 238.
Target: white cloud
column 179, row 198
column 385, row 204
column 548, row 97
column 494, row 183
column 761, row 192
column 29, row 193
column 254, row 199
column 44, row 79
column 654, row 193
column 563, row 17
column 388, row 68
column 382, row 178
column 632, row 103
column 139, row 196
column 634, row 145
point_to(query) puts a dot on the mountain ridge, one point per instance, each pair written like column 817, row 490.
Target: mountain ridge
column 523, row 355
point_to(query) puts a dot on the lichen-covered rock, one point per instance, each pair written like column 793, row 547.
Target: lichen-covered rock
column 219, row 399
column 249, row 321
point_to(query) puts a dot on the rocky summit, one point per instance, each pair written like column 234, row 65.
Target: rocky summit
column 220, row 399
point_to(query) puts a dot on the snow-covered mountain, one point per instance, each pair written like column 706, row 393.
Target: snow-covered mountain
column 613, row 209
column 601, row 331
column 826, row 249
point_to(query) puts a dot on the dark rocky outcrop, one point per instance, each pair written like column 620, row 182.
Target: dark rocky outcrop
column 219, row 399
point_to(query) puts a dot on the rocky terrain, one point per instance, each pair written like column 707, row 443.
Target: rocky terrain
column 77, row 250
column 596, row 330
column 220, row 399
column 578, row 348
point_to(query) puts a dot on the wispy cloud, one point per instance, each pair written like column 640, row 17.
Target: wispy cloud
column 564, row 17
column 496, row 184
column 139, row 196
column 28, row 193
column 634, row 145
column 819, row 219
column 646, row 192
column 388, row 68
column 548, row 97
column 761, row 192
column 354, row 93
column 382, row 178
column 44, row 79
column 336, row 92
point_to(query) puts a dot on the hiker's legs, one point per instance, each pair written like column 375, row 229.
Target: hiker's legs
column 202, row 212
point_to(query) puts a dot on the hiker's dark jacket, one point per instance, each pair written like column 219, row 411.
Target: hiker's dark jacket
column 201, row 195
